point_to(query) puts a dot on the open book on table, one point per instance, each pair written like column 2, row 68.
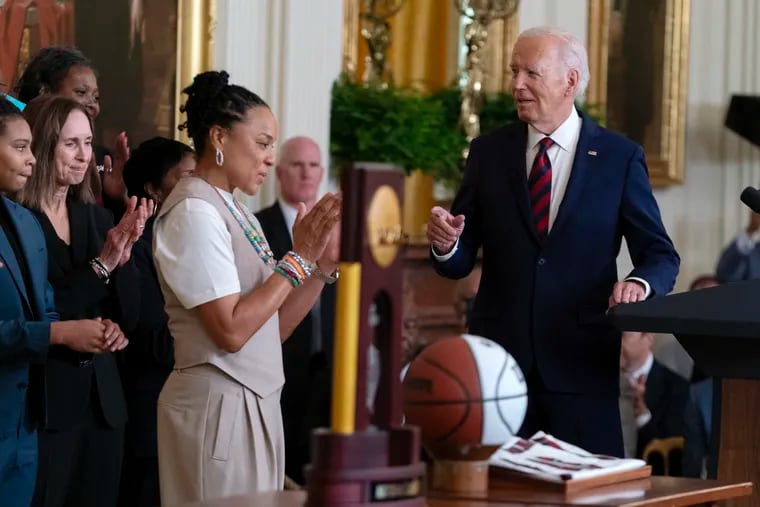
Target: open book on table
column 547, row 458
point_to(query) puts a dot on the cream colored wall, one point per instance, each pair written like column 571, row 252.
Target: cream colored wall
column 704, row 213
column 289, row 52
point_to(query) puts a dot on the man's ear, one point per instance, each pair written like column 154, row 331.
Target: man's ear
column 573, row 81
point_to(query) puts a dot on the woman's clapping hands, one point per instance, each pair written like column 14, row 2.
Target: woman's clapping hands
column 312, row 231
column 120, row 238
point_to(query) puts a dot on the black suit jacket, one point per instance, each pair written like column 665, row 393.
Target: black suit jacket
column 276, row 232
column 149, row 358
column 667, row 397
column 80, row 294
column 306, row 395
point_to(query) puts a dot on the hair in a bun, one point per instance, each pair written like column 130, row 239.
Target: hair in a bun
column 150, row 162
column 211, row 100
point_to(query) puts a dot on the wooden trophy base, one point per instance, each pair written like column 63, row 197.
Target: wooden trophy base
column 465, row 478
column 365, row 469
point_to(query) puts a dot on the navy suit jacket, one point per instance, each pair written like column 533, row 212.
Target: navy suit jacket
column 25, row 318
column 546, row 303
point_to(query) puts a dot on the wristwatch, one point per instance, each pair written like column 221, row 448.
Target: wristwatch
column 331, row 278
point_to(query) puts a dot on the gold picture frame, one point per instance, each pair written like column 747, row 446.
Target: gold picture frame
column 196, row 21
column 649, row 59
column 129, row 43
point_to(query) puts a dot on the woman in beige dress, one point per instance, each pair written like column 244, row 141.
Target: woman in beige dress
column 230, row 303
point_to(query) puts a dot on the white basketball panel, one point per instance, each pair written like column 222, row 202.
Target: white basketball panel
column 512, row 382
column 502, row 419
column 511, row 412
column 490, row 358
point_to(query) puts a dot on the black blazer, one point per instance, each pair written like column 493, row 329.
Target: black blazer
column 305, row 398
column 276, row 232
column 80, row 294
column 667, row 397
column 149, row 358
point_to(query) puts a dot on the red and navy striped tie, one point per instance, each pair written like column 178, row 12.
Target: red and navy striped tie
column 540, row 187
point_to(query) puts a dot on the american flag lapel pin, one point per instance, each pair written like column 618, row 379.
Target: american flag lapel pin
column 592, row 153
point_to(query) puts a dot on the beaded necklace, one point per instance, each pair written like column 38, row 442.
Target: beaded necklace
column 254, row 237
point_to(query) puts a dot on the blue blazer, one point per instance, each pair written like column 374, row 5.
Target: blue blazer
column 546, row 303
column 24, row 338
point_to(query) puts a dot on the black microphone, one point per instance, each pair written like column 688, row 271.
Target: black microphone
column 751, row 197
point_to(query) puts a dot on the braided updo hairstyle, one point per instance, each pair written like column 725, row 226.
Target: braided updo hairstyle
column 213, row 101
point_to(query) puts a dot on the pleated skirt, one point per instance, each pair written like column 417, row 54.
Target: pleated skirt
column 216, row 438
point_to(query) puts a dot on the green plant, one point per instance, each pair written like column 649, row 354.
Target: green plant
column 393, row 125
column 412, row 130
column 498, row 109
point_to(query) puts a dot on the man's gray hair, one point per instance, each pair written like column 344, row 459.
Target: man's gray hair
column 573, row 52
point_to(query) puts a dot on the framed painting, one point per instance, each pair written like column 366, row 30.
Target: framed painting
column 638, row 57
column 144, row 52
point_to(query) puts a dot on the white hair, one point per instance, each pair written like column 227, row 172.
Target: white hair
column 573, row 53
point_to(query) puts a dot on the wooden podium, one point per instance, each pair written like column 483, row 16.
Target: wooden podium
column 720, row 328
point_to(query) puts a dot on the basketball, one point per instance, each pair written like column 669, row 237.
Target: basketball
column 465, row 391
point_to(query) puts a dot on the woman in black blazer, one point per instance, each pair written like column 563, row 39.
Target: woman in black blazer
column 151, row 172
column 89, row 270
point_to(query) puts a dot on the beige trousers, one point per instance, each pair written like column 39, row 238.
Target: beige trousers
column 216, row 438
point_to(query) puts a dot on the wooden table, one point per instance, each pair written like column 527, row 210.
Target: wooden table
column 652, row 492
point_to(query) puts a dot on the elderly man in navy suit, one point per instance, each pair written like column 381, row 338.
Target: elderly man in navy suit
column 549, row 199
column 27, row 316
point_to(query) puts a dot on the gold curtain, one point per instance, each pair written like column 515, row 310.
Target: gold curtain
column 425, row 44
column 421, row 52
column 497, row 53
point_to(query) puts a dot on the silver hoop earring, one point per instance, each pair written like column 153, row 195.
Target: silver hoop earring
column 219, row 157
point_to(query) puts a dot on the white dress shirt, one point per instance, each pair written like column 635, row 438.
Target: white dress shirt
column 746, row 243
column 633, row 379
column 561, row 155
column 289, row 213
column 193, row 238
